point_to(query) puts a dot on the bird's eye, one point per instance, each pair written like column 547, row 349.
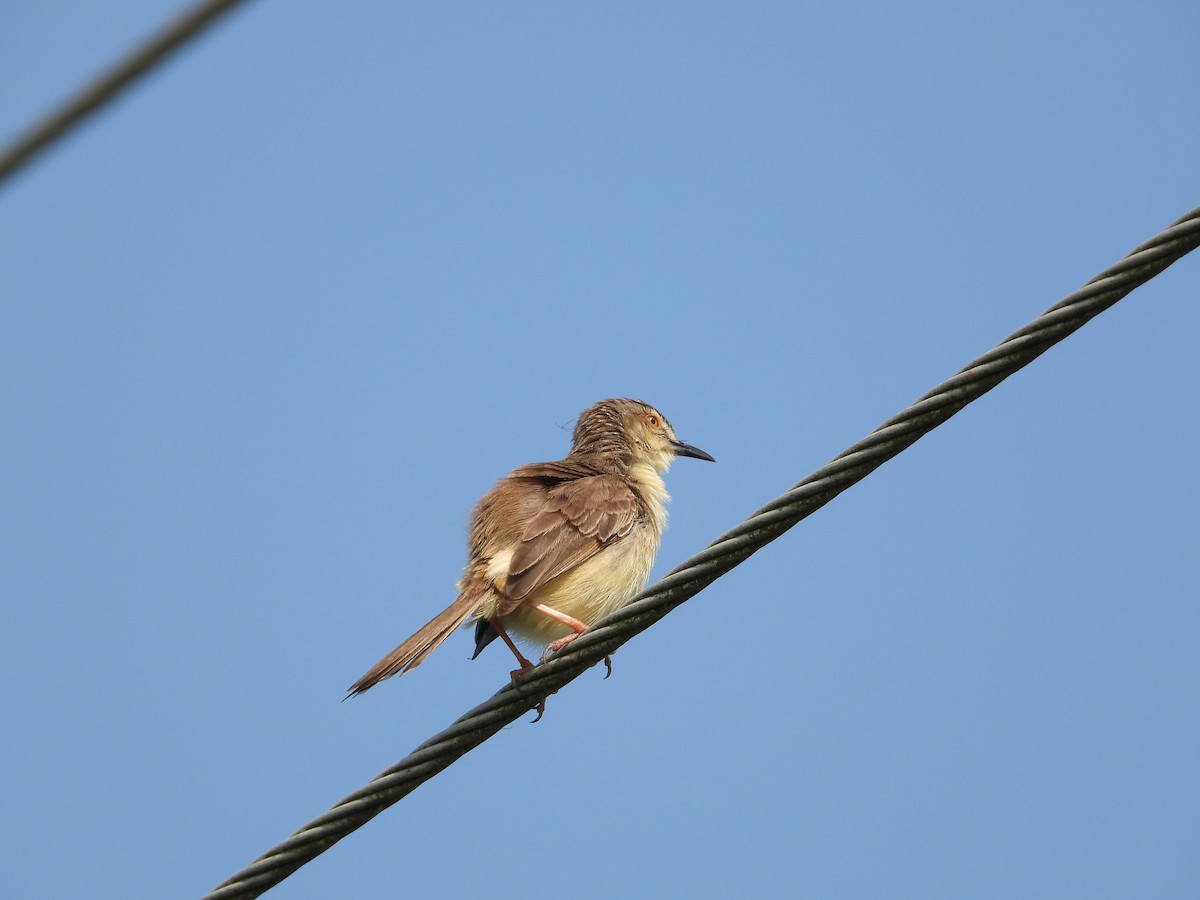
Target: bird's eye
column 653, row 421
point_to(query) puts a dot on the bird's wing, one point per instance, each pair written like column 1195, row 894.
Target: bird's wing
column 560, row 470
column 577, row 519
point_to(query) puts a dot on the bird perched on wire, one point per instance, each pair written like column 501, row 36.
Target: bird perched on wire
column 556, row 546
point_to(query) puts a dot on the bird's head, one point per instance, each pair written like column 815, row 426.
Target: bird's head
column 633, row 432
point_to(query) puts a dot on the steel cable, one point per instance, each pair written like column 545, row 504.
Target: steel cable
column 727, row 551
column 107, row 86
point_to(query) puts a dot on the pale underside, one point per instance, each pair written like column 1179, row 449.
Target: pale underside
column 589, row 592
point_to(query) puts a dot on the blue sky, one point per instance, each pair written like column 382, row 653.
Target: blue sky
column 272, row 323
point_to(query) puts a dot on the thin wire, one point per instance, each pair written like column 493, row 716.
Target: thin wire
column 732, row 548
column 107, row 86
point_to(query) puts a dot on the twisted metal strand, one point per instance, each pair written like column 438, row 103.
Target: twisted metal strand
column 732, row 548
column 105, row 88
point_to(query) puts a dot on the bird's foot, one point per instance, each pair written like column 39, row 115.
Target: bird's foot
column 516, row 675
column 554, row 646
column 562, row 642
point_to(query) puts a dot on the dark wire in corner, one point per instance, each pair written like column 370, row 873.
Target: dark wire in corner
column 109, row 85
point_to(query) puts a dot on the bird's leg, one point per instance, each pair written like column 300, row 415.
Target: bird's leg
column 576, row 627
column 525, row 664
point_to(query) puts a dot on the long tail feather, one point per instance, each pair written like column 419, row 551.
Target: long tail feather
column 413, row 651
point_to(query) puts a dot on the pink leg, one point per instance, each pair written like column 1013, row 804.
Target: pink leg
column 571, row 622
column 525, row 664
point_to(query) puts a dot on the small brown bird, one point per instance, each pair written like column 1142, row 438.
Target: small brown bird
column 556, row 546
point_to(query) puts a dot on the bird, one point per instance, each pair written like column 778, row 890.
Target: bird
column 556, row 546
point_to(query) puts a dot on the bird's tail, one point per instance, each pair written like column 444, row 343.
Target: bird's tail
column 412, row 652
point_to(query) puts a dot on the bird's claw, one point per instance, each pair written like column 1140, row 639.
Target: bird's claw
column 558, row 645
column 554, row 646
column 516, row 675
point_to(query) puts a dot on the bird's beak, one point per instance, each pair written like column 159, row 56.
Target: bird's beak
column 682, row 449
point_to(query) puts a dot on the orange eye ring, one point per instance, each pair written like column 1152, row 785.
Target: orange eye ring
column 653, row 421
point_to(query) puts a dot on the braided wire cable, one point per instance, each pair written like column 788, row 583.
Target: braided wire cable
column 726, row 552
column 107, row 86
